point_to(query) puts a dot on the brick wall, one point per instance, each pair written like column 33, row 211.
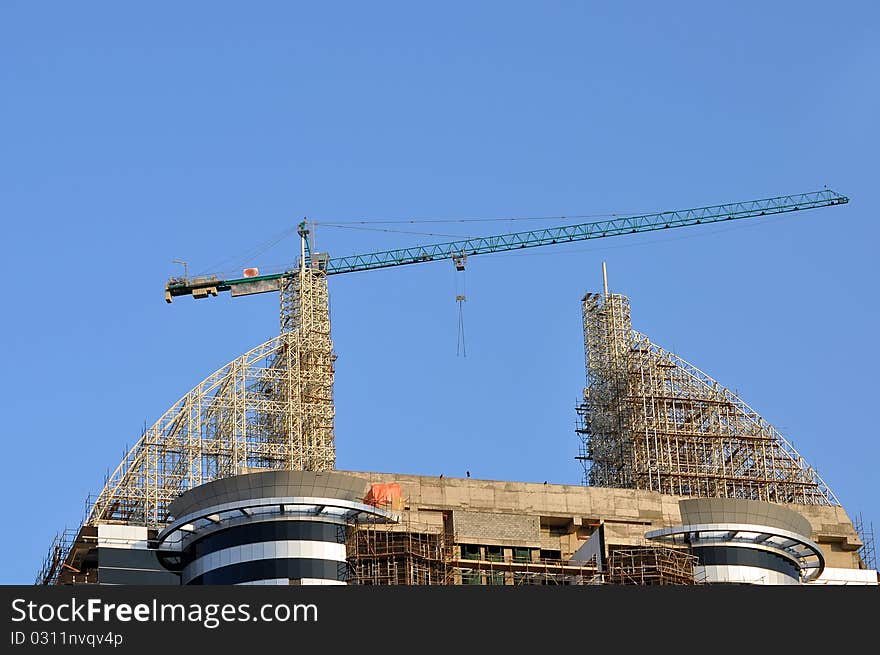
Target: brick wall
column 496, row 529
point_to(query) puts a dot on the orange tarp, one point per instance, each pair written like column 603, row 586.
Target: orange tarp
column 385, row 494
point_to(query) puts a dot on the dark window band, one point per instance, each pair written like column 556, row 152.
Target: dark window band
column 137, row 577
column 254, row 533
column 731, row 555
column 134, row 558
column 267, row 569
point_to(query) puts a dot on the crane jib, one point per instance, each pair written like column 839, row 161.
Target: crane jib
column 211, row 286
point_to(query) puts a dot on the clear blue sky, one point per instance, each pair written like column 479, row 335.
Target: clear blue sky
column 134, row 135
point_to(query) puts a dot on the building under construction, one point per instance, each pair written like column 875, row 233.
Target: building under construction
column 684, row 483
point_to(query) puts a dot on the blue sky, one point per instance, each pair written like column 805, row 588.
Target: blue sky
column 134, row 135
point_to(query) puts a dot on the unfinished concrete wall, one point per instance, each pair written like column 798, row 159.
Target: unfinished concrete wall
column 627, row 513
column 496, row 529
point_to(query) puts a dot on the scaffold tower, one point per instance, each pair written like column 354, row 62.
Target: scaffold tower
column 269, row 408
column 650, row 420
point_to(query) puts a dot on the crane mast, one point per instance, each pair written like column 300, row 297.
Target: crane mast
column 305, row 365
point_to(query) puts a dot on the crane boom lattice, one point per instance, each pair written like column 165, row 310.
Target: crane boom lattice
column 210, row 286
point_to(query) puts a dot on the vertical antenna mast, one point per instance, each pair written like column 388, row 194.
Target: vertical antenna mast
column 303, row 232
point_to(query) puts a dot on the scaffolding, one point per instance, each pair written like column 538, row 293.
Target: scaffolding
column 511, row 572
column 410, row 555
column 56, row 559
column 386, row 555
column 414, row 554
column 867, row 553
column 271, row 408
column 306, row 362
column 650, row 420
column 651, row 565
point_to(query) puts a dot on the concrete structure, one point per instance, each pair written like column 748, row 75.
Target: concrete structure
column 740, row 541
column 440, row 530
column 268, row 527
column 653, row 427
column 557, row 519
column 235, row 484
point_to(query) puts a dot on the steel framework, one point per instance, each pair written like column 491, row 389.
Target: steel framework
column 273, row 406
column 203, row 287
column 383, row 555
column 650, row 420
column 651, row 565
column 416, row 555
column 307, row 362
column 269, row 408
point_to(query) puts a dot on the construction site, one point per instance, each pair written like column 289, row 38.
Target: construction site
column 381, row 555
column 683, row 482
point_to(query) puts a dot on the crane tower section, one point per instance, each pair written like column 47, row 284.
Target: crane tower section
column 305, row 363
column 650, row 420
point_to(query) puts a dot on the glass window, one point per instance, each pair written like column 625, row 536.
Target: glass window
column 522, row 555
column 470, row 551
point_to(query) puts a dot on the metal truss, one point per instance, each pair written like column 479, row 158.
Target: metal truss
column 652, row 421
column 270, row 408
column 307, row 361
column 203, row 287
column 584, row 231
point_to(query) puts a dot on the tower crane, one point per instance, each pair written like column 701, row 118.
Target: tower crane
column 302, row 372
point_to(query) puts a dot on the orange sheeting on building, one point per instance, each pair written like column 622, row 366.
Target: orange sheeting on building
column 386, row 494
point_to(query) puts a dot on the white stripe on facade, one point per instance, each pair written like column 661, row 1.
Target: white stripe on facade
column 270, row 581
column 737, row 573
column 324, row 550
column 286, row 582
column 321, row 581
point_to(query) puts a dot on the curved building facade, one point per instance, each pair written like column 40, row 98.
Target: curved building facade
column 740, row 541
column 271, row 527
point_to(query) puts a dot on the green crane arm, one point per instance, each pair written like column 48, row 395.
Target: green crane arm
column 205, row 286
